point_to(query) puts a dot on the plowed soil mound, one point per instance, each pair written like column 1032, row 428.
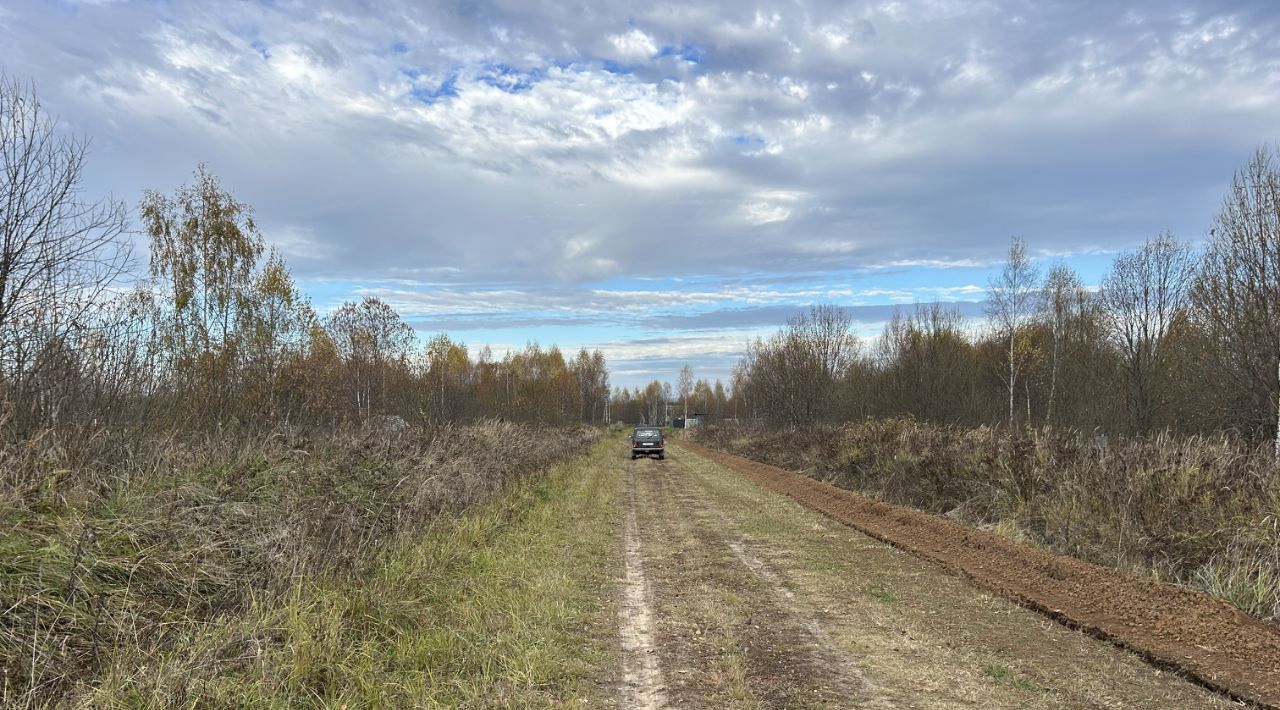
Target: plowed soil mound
column 1205, row 638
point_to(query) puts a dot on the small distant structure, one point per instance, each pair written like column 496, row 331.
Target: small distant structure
column 689, row 422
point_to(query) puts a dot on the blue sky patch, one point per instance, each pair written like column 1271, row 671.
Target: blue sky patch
column 688, row 52
column 429, row 95
column 615, row 68
column 510, row 79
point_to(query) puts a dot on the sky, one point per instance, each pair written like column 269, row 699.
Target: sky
column 665, row 181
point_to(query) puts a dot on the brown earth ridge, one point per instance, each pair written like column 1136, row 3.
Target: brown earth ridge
column 1204, row 638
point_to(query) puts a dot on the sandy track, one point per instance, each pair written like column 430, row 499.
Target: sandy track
column 642, row 683
column 754, row 601
column 727, row 634
column 1202, row 637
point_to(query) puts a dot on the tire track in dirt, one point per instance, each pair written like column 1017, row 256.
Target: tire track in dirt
column 642, row 683
column 824, row 649
column 786, row 663
column 1204, row 638
column 923, row 637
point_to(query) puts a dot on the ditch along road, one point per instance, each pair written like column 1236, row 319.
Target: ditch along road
column 734, row 594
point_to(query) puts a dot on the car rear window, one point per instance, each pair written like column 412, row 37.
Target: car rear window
column 648, row 433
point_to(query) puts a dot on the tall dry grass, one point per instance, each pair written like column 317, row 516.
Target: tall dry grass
column 1203, row 511
column 115, row 546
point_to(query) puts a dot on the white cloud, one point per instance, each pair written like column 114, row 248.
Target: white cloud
column 765, row 213
column 826, row 246
column 940, row 263
column 769, row 206
column 296, row 242
column 834, row 37
column 893, row 295
column 430, row 298
column 967, row 291
column 633, row 46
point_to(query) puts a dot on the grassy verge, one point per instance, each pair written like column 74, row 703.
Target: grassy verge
column 414, row 570
column 503, row 606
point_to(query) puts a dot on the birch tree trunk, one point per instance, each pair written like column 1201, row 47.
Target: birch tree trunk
column 1013, row 378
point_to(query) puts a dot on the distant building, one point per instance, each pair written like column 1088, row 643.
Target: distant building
column 690, row 422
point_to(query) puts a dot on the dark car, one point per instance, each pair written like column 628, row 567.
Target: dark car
column 647, row 440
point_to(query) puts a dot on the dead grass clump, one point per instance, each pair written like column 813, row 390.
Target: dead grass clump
column 1199, row 511
column 116, row 545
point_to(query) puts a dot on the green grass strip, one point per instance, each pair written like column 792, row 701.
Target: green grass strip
column 510, row 605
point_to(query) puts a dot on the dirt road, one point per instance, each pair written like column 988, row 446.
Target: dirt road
column 736, row 596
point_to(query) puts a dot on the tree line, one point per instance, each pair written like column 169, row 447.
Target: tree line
column 214, row 331
column 658, row 402
column 1175, row 337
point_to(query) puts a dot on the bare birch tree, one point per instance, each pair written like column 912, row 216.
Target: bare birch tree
column 1011, row 302
column 1061, row 302
column 685, row 387
column 592, row 375
column 373, row 342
